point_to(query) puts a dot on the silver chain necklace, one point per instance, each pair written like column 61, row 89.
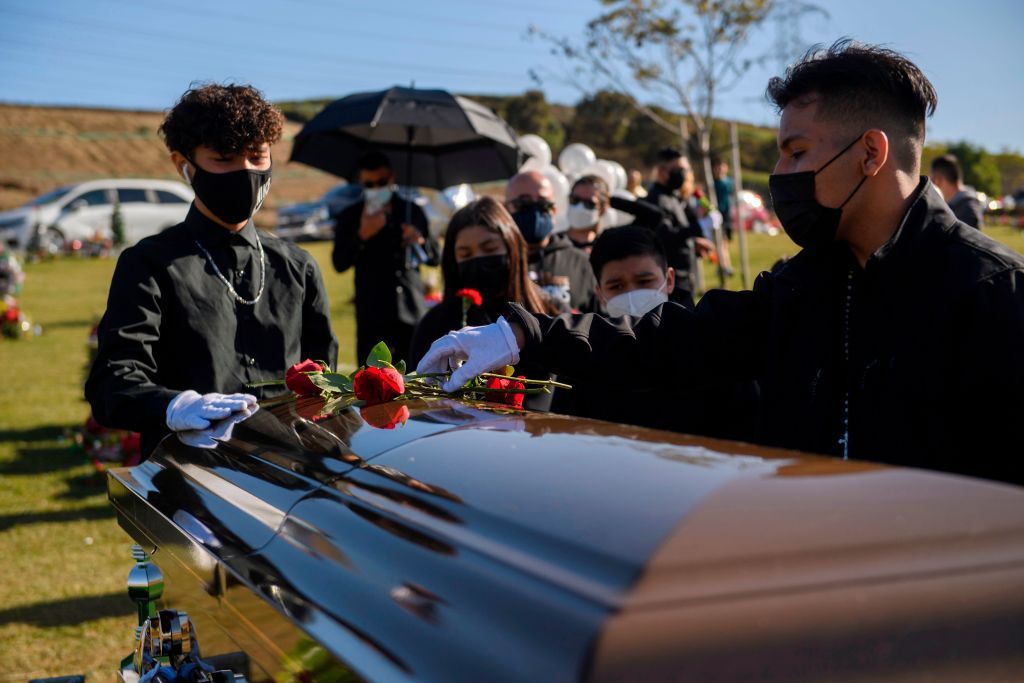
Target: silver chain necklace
column 263, row 273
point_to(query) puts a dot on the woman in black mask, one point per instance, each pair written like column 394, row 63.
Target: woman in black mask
column 484, row 251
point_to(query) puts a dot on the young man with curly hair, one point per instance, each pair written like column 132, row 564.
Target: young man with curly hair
column 204, row 309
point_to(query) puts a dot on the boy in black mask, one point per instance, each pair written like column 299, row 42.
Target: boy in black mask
column 209, row 306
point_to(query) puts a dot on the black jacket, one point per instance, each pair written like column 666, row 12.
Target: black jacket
column 967, row 207
column 447, row 316
column 677, row 232
column 562, row 267
column 916, row 360
column 389, row 291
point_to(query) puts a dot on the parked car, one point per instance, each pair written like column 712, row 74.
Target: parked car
column 83, row 212
column 307, row 221
column 473, row 543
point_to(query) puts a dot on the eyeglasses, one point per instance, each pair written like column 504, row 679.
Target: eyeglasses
column 528, row 203
column 371, row 184
column 586, row 203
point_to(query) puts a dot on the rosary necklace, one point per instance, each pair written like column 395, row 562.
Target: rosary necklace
column 263, row 273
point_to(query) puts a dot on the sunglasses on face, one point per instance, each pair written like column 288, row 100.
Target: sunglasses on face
column 527, row 204
column 589, row 204
column 371, row 184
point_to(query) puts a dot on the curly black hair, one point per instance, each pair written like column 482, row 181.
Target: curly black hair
column 862, row 86
column 229, row 118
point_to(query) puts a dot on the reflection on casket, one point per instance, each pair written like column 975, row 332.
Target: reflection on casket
column 471, row 543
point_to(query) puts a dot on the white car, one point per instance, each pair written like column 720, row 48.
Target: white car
column 83, row 212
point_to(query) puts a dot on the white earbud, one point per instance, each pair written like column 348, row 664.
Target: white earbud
column 184, row 172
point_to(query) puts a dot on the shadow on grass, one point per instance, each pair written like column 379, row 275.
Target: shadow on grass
column 83, row 486
column 56, row 516
column 44, row 458
column 41, row 433
column 69, row 611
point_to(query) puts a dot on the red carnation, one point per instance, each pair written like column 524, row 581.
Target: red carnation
column 471, row 295
column 12, row 314
column 506, row 397
column 378, row 385
column 385, row 415
column 298, row 381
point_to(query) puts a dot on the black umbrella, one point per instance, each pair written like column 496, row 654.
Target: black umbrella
column 433, row 138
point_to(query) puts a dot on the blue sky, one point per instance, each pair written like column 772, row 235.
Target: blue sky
column 141, row 54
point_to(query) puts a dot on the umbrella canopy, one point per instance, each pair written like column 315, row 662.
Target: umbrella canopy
column 433, row 138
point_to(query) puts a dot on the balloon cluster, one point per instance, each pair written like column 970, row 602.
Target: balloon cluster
column 574, row 161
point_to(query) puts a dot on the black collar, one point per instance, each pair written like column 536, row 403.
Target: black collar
column 211, row 234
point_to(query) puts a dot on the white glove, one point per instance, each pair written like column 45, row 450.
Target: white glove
column 475, row 349
column 191, row 410
column 219, row 431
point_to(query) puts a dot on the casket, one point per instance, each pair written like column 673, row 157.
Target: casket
column 439, row 540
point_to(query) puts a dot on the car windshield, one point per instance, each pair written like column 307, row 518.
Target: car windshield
column 51, row 196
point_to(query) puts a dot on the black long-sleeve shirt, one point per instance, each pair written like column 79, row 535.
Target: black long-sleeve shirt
column 171, row 324
column 913, row 360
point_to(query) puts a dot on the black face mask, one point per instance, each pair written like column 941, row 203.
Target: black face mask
column 808, row 223
column 488, row 275
column 535, row 224
column 234, row 196
column 675, row 179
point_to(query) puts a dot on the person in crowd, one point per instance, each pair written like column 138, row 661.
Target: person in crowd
column 635, row 184
column 588, row 202
column 385, row 237
column 894, row 335
column 680, row 232
column 204, row 309
column 962, row 200
column 483, row 251
column 555, row 264
column 724, row 189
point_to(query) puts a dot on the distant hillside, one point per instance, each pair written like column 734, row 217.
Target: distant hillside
column 44, row 147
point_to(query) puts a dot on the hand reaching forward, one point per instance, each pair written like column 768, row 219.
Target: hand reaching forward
column 472, row 350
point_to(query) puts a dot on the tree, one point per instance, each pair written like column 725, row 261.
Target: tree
column 603, row 119
column 117, row 226
column 979, row 168
column 680, row 53
column 531, row 113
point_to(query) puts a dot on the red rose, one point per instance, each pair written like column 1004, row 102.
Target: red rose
column 298, row 381
column 472, row 295
column 385, row 415
column 378, row 385
column 11, row 314
column 508, row 398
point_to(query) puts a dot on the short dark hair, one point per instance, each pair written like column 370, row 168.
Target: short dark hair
column 372, row 160
column 947, row 166
column 615, row 244
column 599, row 184
column 228, row 118
column 864, row 86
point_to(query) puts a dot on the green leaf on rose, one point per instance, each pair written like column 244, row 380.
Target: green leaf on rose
column 400, row 366
column 334, row 382
column 380, row 356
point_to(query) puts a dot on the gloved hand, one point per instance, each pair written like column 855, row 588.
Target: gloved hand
column 217, row 432
column 473, row 350
column 191, row 410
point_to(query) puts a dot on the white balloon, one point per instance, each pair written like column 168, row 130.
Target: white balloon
column 620, row 176
column 575, row 157
column 602, row 170
column 538, row 149
column 560, row 195
column 533, row 164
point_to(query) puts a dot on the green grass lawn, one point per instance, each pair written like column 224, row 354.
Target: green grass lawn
column 63, row 559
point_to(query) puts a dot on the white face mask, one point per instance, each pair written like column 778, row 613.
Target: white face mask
column 637, row 303
column 582, row 217
column 377, row 197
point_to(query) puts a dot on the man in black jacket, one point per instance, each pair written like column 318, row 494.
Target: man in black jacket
column 963, row 201
column 896, row 335
column 386, row 239
column 679, row 231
